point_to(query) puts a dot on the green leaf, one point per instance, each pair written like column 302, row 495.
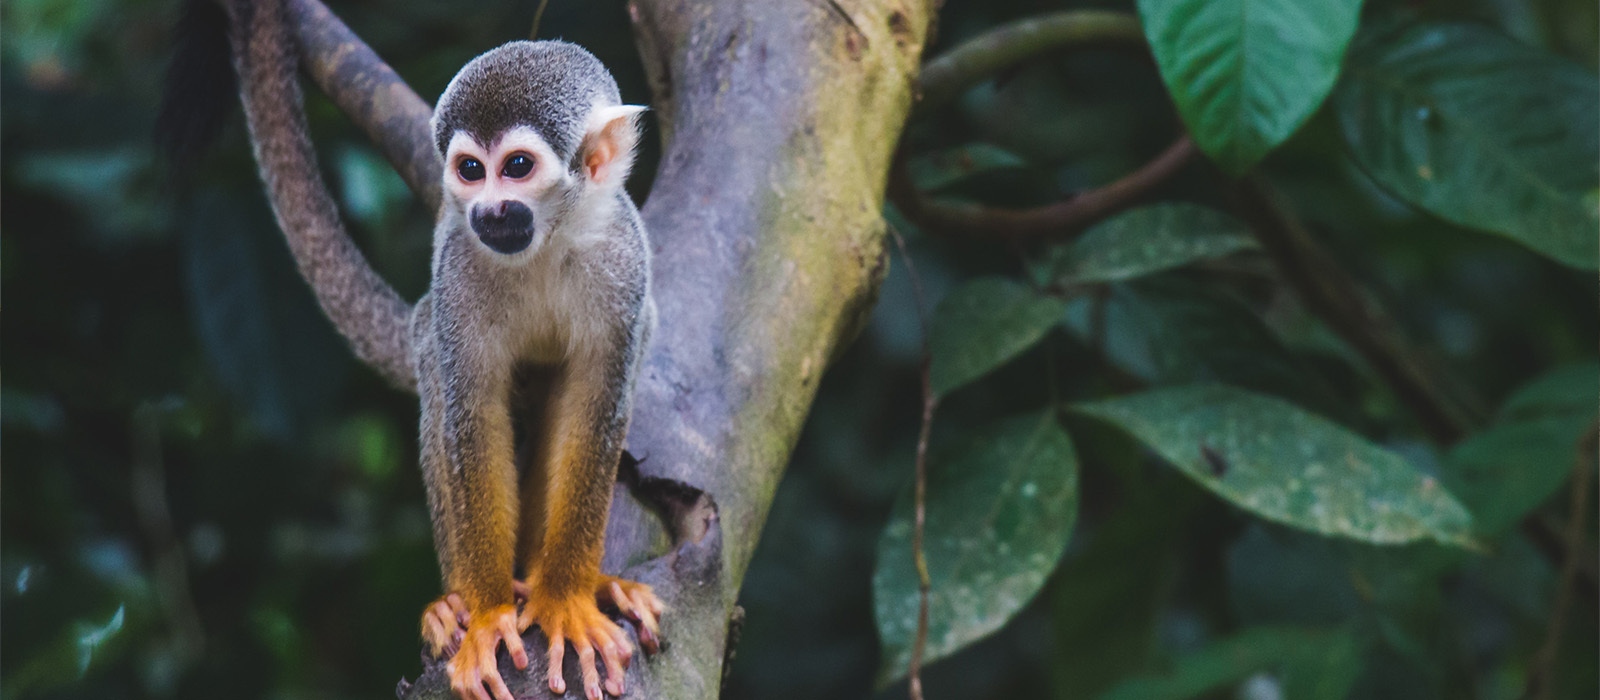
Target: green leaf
column 1312, row 664
column 370, row 189
column 1146, row 240
column 1274, row 459
column 91, row 639
column 1000, row 510
column 1245, row 74
column 938, row 170
column 1515, row 464
column 983, row 324
column 1481, row 131
column 1562, row 392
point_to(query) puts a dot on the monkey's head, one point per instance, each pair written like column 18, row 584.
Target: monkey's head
column 530, row 132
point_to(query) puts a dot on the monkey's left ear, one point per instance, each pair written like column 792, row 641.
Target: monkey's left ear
column 606, row 154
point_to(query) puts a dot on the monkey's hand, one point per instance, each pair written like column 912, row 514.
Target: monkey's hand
column 578, row 619
column 639, row 603
column 474, row 665
column 444, row 625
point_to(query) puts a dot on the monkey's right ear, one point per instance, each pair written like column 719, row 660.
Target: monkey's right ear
column 606, row 154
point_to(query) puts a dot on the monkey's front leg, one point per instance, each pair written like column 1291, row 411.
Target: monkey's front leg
column 471, row 478
column 589, row 419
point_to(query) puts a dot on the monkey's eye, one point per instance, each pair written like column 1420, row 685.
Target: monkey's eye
column 517, row 166
column 470, row 169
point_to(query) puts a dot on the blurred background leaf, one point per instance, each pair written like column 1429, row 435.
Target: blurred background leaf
column 1480, row 130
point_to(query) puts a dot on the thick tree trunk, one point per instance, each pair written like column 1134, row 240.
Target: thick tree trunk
column 779, row 119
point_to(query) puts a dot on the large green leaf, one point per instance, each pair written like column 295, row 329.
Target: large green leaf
column 1245, row 74
column 1303, row 663
column 1481, row 131
column 1514, row 465
column 1000, row 510
column 984, row 323
column 1146, row 240
column 1282, row 463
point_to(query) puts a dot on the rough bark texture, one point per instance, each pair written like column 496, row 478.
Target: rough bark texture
column 779, row 119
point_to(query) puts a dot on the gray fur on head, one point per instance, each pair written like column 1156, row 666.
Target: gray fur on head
column 548, row 85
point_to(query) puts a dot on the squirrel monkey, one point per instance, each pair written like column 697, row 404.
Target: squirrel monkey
column 524, row 350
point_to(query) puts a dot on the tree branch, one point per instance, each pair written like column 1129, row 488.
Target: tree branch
column 946, row 77
column 371, row 93
column 1542, row 673
column 972, row 220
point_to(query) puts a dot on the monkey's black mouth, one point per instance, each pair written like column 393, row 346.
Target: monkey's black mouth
column 506, row 228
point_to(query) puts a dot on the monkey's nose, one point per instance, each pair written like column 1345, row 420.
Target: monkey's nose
column 506, row 227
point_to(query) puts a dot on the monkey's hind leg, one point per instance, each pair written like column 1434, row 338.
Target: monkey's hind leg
column 588, row 420
column 471, row 476
column 444, row 621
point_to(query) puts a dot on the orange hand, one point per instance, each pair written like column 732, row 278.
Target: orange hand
column 639, row 603
column 578, row 620
column 474, row 666
column 444, row 624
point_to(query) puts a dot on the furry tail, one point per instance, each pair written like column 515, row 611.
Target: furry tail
column 365, row 309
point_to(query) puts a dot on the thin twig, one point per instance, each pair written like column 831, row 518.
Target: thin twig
column 920, row 494
column 952, row 73
column 170, row 568
column 1543, row 667
column 1064, row 218
column 1335, row 297
column 538, row 14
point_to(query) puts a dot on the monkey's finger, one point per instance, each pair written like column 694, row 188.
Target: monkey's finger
column 446, row 615
column 491, row 675
column 459, row 607
column 468, row 686
column 649, row 626
column 591, row 675
column 648, row 605
column 623, row 643
column 649, row 634
column 434, row 633
column 616, row 657
column 508, row 630
column 558, row 654
column 648, row 640
column 520, row 589
column 622, row 601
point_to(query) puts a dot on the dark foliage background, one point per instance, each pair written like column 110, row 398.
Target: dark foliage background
column 204, row 493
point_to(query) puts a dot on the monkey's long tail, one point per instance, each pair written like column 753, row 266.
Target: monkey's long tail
column 365, row 309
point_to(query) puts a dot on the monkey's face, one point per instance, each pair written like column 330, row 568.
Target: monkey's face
column 511, row 191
